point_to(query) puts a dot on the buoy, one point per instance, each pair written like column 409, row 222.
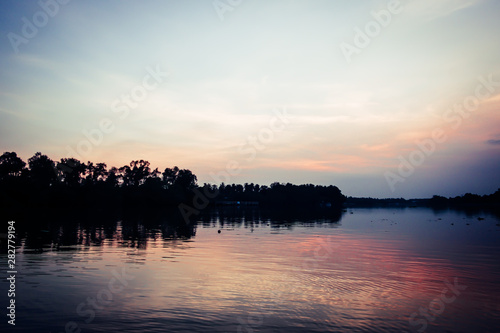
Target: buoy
column 218, row 231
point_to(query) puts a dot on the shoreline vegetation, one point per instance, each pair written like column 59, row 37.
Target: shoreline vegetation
column 43, row 187
column 467, row 200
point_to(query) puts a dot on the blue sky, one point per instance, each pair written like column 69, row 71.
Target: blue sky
column 350, row 119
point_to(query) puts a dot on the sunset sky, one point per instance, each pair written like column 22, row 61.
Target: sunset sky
column 266, row 85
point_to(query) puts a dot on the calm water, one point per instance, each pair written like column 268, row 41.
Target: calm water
column 370, row 270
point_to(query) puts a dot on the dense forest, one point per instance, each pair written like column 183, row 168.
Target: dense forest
column 69, row 184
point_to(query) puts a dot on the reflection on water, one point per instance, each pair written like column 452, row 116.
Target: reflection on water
column 382, row 270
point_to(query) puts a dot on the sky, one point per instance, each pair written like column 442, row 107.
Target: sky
column 380, row 98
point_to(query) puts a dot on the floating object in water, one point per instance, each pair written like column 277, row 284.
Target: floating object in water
column 218, row 231
column 480, row 218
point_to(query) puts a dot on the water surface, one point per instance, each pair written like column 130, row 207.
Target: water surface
column 369, row 270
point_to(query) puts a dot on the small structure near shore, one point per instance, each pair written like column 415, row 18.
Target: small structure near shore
column 236, row 203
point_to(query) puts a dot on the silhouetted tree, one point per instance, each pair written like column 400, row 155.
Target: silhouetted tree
column 113, row 177
column 95, row 173
column 154, row 181
column 42, row 170
column 71, row 171
column 169, row 176
column 10, row 165
column 185, row 179
column 136, row 173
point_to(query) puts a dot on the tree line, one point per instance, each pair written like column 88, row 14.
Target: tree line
column 467, row 200
column 69, row 183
